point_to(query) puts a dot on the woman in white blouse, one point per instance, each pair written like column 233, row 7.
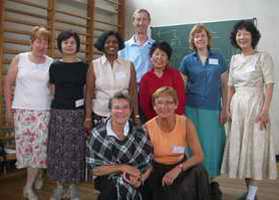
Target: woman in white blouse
column 28, row 110
column 106, row 76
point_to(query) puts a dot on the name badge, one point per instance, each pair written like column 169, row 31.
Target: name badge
column 213, row 61
column 79, row 102
column 178, row 149
column 120, row 75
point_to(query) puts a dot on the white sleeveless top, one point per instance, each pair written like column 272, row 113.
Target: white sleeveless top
column 109, row 80
column 31, row 90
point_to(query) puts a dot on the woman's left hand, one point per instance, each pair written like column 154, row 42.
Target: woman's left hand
column 263, row 119
column 223, row 116
column 132, row 180
column 171, row 176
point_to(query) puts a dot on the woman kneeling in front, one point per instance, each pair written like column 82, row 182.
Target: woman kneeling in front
column 119, row 153
column 177, row 170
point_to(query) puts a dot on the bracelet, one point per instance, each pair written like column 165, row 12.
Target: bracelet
column 137, row 116
column 87, row 119
column 141, row 181
column 181, row 167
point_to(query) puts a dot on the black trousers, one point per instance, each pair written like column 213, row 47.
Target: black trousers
column 191, row 184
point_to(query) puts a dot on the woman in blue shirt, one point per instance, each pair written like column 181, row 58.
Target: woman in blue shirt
column 206, row 76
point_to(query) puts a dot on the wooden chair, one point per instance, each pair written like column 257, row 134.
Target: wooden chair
column 7, row 138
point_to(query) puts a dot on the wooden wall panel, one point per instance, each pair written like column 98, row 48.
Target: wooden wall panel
column 89, row 18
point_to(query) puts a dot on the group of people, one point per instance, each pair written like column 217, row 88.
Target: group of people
column 155, row 131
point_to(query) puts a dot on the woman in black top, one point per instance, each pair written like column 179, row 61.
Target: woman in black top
column 66, row 142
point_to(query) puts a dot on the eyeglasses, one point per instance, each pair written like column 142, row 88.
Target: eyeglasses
column 116, row 107
column 164, row 103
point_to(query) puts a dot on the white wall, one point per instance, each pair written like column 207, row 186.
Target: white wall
column 166, row 12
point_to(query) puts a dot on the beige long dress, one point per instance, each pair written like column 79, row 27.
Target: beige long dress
column 249, row 151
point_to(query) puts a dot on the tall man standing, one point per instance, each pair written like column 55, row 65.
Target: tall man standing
column 137, row 47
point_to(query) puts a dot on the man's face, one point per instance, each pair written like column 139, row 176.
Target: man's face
column 141, row 22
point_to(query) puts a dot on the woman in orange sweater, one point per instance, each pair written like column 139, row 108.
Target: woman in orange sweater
column 177, row 170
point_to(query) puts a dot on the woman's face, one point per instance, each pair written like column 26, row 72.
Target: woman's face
column 111, row 45
column 159, row 59
column 244, row 39
column 165, row 106
column 39, row 47
column 120, row 111
column 201, row 40
column 69, row 46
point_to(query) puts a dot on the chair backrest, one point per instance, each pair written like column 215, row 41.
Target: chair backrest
column 7, row 141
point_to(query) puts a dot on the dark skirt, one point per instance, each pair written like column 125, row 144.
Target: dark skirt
column 66, row 146
column 191, row 184
column 106, row 187
column 108, row 190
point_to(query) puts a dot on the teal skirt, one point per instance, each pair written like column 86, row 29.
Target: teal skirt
column 211, row 135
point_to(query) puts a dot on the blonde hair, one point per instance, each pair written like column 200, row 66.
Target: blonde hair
column 39, row 32
column 142, row 10
column 166, row 90
column 197, row 29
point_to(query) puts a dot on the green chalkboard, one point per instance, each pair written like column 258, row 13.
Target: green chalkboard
column 177, row 36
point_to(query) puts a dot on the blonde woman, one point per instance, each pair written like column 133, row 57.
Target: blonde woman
column 177, row 171
column 206, row 84
column 28, row 111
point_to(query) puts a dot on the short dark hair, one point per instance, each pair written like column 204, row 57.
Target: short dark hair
column 100, row 43
column 64, row 35
column 120, row 95
column 250, row 27
column 164, row 46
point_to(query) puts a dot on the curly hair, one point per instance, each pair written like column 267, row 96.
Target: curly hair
column 100, row 43
column 249, row 26
column 164, row 46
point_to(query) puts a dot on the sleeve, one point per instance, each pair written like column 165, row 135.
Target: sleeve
column 230, row 81
column 99, row 150
column 184, row 66
column 180, row 89
column 267, row 68
column 223, row 64
column 145, row 97
column 122, row 53
column 144, row 154
column 51, row 74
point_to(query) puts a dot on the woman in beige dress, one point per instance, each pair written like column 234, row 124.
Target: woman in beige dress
column 249, row 151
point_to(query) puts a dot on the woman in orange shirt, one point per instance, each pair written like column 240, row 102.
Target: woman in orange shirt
column 177, row 170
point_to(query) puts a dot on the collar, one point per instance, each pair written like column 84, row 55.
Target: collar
column 210, row 53
column 110, row 132
column 104, row 60
column 132, row 41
